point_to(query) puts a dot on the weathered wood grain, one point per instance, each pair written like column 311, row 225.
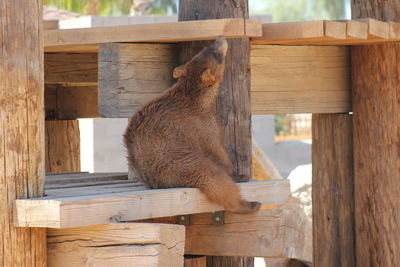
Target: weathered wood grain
column 301, row 79
column 117, row 244
column 376, row 124
column 66, row 40
column 333, row 190
column 70, row 68
column 195, row 261
column 267, row 233
column 21, row 128
column 135, row 204
column 62, row 146
column 68, row 102
column 132, row 74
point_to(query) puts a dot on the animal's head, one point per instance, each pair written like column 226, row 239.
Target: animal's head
column 208, row 65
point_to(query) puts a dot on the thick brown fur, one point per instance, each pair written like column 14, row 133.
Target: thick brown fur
column 175, row 140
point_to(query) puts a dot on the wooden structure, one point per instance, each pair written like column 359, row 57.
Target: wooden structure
column 110, row 71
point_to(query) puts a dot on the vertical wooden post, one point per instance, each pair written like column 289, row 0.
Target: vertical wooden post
column 233, row 103
column 63, row 146
column 333, row 190
column 21, row 128
column 376, row 109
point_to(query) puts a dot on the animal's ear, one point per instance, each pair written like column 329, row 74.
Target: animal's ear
column 179, row 71
column 207, row 76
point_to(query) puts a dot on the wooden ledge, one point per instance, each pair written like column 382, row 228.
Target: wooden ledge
column 351, row 32
column 87, row 40
column 122, row 200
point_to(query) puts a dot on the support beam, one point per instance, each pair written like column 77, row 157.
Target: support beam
column 333, row 190
column 117, row 244
column 233, row 104
column 376, row 123
column 21, row 128
column 62, row 146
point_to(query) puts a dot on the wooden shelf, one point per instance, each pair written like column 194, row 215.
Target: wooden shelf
column 82, row 199
column 351, row 32
column 88, row 39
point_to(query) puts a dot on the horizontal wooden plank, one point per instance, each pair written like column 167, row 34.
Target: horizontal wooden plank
column 366, row 31
column 285, row 79
column 65, row 40
column 300, row 79
column 267, row 233
column 117, row 244
column 71, row 68
column 135, row 205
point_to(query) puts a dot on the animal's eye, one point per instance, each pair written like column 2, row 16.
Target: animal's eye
column 217, row 56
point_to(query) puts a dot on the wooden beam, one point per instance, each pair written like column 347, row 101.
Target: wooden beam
column 117, row 244
column 303, row 79
column 195, row 261
column 132, row 74
column 21, row 128
column 74, row 39
column 74, row 211
column 62, row 146
column 376, row 124
column 367, row 31
column 70, row 68
column 268, row 233
column 65, row 102
column 333, row 190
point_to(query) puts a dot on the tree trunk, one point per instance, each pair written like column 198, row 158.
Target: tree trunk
column 21, row 128
column 233, row 103
column 376, row 107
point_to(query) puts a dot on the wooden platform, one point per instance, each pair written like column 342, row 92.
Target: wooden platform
column 88, row 39
column 351, row 32
column 79, row 199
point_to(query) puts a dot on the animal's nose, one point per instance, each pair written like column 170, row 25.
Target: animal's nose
column 221, row 44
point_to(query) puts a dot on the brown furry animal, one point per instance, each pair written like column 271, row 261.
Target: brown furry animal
column 175, row 140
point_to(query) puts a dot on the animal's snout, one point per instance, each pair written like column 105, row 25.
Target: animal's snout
column 221, row 45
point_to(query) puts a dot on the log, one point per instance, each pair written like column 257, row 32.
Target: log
column 333, row 190
column 62, row 146
column 233, row 104
column 117, row 244
column 376, row 123
column 21, row 128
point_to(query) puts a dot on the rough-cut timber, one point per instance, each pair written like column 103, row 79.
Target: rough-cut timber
column 267, row 233
column 132, row 74
column 333, row 190
column 376, row 124
column 64, row 68
column 301, row 79
column 62, row 146
column 21, row 128
column 84, row 203
column 233, row 103
column 68, row 102
column 85, row 40
column 117, row 244
column 327, row 32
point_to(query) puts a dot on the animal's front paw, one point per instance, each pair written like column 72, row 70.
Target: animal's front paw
column 248, row 207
